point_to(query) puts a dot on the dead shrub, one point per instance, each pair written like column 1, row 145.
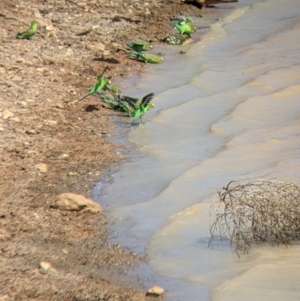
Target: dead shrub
column 255, row 211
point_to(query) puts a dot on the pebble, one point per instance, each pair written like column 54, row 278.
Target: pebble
column 69, row 52
column 41, row 69
column 75, row 202
column 15, row 119
column 6, row 114
column 60, row 106
column 50, row 122
column 116, row 18
column 99, row 46
column 63, row 156
column 72, row 174
column 155, row 291
column 30, row 132
column 41, row 167
column 46, row 266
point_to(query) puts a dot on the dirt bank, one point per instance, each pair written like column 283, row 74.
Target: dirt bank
column 51, row 145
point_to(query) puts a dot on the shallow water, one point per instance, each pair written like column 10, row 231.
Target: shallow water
column 228, row 109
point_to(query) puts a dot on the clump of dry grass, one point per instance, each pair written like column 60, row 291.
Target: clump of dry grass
column 254, row 211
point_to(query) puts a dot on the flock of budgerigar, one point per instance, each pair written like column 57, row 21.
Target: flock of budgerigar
column 111, row 94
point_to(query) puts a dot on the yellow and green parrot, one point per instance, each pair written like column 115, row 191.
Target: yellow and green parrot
column 30, row 32
column 184, row 25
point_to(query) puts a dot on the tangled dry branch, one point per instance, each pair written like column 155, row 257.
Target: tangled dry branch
column 253, row 211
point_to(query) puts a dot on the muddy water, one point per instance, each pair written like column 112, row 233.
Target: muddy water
column 225, row 110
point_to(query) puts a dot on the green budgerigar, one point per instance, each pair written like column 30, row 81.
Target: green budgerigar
column 115, row 102
column 176, row 39
column 184, row 25
column 139, row 45
column 142, row 106
column 147, row 58
column 112, row 88
column 30, row 32
column 101, row 85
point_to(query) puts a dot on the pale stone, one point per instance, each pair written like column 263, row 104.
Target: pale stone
column 65, row 251
column 50, row 28
column 30, row 132
column 118, row 47
column 15, row 119
column 44, row 69
column 72, row 174
column 41, row 167
column 63, row 156
column 6, row 114
column 75, row 202
column 20, row 60
column 17, row 78
column 23, row 104
column 4, row 298
column 155, row 291
column 50, row 122
column 60, row 106
column 99, row 46
column 44, row 265
column 116, row 18
column 70, row 52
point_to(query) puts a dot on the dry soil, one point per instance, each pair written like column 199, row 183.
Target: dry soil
column 50, row 144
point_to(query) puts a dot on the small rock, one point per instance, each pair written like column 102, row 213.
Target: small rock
column 17, row 78
column 15, row 119
column 23, row 104
column 30, row 132
column 60, row 106
column 37, row 15
column 99, row 46
column 118, row 47
column 41, row 167
column 75, row 202
column 155, row 291
column 46, row 266
column 69, row 52
column 50, row 28
column 50, row 122
column 20, row 60
column 6, row 114
column 4, row 298
column 63, row 156
column 78, row 30
column 65, row 251
column 41, row 69
column 72, row 174
column 116, row 18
